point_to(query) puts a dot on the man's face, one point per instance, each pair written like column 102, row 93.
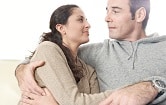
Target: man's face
column 119, row 20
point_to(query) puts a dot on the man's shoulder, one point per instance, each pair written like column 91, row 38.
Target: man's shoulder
column 97, row 45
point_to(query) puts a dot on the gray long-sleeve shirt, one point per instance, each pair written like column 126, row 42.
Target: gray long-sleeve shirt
column 121, row 63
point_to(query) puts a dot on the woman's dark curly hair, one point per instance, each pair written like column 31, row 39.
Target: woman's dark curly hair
column 60, row 16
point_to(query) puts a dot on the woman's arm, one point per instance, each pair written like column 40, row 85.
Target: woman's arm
column 58, row 78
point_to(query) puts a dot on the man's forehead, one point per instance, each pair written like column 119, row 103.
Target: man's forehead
column 117, row 4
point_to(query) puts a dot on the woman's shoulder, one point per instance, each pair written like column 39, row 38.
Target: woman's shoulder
column 49, row 47
column 48, row 44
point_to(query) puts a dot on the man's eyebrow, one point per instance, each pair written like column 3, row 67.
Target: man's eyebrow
column 115, row 7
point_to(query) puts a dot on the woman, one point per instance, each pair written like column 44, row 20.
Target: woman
column 68, row 78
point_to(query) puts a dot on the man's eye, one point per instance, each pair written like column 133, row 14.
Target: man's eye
column 115, row 12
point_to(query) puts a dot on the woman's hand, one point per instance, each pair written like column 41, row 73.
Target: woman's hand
column 33, row 99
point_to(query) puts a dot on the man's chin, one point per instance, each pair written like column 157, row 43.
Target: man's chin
column 112, row 36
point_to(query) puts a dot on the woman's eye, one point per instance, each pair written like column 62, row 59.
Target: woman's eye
column 81, row 20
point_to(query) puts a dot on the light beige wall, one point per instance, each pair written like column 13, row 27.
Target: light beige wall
column 9, row 91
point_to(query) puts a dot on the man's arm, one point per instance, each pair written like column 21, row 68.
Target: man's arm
column 161, row 88
column 138, row 94
column 25, row 76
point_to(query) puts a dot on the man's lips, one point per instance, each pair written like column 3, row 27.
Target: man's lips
column 111, row 27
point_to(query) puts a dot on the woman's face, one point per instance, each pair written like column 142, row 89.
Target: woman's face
column 76, row 29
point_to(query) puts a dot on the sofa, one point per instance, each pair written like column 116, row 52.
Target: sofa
column 9, row 90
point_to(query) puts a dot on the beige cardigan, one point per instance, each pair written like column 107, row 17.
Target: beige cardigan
column 56, row 75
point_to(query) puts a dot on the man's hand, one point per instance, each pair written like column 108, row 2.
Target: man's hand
column 25, row 77
column 138, row 94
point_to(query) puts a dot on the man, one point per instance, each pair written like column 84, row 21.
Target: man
column 130, row 64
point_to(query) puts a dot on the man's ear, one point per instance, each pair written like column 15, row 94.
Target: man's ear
column 60, row 28
column 140, row 14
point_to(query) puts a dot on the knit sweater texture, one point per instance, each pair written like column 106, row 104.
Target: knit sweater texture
column 122, row 63
column 57, row 76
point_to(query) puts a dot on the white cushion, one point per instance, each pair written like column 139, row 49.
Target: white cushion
column 9, row 90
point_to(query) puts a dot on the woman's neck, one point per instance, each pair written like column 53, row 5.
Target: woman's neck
column 73, row 48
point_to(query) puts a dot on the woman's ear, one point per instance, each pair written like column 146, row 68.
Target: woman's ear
column 60, row 28
column 140, row 14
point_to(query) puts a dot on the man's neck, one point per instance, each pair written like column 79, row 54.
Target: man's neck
column 136, row 36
